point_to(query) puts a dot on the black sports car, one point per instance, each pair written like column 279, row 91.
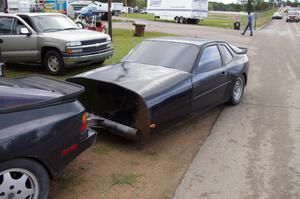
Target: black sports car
column 42, row 128
column 161, row 80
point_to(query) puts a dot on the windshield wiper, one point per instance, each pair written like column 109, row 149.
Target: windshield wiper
column 71, row 28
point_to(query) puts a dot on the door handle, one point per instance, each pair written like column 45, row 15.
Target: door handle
column 1, row 41
column 224, row 72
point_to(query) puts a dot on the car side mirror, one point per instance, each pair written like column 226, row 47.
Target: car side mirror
column 25, row 31
column 80, row 25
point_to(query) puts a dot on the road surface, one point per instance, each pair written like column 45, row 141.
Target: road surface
column 253, row 150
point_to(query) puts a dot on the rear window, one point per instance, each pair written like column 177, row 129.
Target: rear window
column 175, row 55
column 227, row 56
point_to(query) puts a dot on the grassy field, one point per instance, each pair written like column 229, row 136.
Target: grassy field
column 220, row 20
column 123, row 42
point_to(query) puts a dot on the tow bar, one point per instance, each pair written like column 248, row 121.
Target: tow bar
column 122, row 130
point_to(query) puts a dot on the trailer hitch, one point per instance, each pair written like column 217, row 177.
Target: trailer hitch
column 115, row 128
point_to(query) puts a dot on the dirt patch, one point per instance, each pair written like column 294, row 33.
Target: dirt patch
column 114, row 168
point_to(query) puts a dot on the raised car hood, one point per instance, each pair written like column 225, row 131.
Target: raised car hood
column 148, row 81
column 34, row 92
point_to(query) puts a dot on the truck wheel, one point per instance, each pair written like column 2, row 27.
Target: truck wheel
column 177, row 19
column 54, row 63
column 181, row 20
column 22, row 178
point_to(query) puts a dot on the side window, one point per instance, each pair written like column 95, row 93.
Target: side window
column 18, row 25
column 227, row 56
column 6, row 25
column 210, row 59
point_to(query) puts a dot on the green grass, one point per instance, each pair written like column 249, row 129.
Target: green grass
column 123, row 42
column 149, row 17
column 124, row 179
column 219, row 20
column 100, row 150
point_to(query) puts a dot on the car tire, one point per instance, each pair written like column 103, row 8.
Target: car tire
column 237, row 91
column 54, row 62
column 30, row 178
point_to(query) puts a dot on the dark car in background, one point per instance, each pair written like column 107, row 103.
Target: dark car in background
column 164, row 79
column 42, row 128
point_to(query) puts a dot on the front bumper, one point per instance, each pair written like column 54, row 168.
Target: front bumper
column 86, row 59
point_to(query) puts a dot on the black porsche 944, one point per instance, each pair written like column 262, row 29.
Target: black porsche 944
column 161, row 80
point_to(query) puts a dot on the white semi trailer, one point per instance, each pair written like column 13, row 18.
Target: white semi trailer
column 182, row 11
column 18, row 6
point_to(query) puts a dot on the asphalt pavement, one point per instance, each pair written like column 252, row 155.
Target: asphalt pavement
column 253, row 150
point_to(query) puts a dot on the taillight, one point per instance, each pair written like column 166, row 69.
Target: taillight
column 83, row 123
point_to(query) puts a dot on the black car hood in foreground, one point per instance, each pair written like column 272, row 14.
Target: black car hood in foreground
column 34, row 92
column 148, row 81
column 133, row 94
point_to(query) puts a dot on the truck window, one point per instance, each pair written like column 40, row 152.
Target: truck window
column 28, row 21
column 6, row 25
column 17, row 26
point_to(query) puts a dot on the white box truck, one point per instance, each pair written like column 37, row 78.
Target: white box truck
column 182, row 11
column 16, row 6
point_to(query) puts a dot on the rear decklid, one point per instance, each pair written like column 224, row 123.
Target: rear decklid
column 34, row 92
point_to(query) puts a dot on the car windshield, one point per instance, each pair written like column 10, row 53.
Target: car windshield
column 52, row 23
column 293, row 13
column 175, row 55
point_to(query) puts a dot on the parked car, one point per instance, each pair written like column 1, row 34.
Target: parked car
column 162, row 80
column 293, row 16
column 42, row 128
column 51, row 39
column 277, row 15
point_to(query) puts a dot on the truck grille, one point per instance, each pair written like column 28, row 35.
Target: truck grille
column 91, row 42
column 94, row 49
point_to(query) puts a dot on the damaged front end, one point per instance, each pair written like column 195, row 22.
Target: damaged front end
column 114, row 108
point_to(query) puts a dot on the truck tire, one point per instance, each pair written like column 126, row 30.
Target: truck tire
column 177, row 19
column 194, row 21
column 35, row 185
column 54, row 63
column 181, row 20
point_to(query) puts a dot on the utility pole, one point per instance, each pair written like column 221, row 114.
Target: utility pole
column 5, row 6
column 109, row 19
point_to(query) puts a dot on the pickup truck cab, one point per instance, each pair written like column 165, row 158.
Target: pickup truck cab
column 51, row 39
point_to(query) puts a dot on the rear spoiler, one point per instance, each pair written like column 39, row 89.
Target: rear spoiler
column 242, row 50
column 239, row 50
column 69, row 91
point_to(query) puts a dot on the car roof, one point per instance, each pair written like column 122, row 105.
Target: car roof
column 30, row 14
column 187, row 40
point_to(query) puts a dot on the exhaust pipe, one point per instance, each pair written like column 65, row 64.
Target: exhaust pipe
column 115, row 128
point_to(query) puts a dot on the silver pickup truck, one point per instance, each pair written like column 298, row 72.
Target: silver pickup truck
column 51, row 39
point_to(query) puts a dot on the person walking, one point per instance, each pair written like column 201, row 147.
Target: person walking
column 249, row 25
